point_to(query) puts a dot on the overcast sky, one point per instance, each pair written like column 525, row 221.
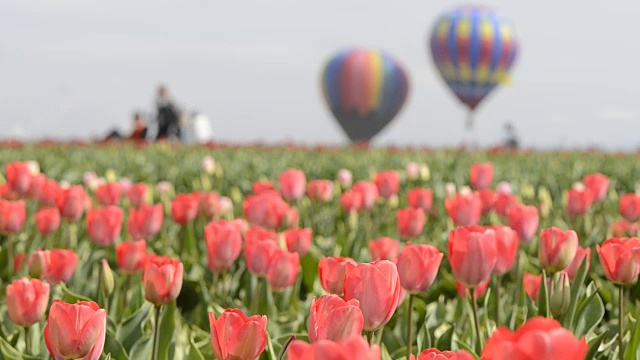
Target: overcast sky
column 78, row 68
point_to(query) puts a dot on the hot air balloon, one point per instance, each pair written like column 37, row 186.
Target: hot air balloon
column 474, row 49
column 365, row 89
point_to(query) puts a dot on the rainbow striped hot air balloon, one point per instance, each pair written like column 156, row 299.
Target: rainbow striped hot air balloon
column 474, row 49
column 364, row 89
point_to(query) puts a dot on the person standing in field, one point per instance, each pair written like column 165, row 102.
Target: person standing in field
column 168, row 116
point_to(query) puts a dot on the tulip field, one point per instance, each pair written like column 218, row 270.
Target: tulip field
column 167, row 251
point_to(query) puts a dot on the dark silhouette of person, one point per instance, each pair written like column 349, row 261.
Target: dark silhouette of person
column 139, row 128
column 167, row 116
column 512, row 140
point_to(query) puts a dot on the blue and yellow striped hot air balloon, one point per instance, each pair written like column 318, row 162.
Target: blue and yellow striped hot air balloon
column 365, row 89
column 474, row 49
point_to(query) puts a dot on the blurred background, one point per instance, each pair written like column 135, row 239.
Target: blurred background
column 77, row 70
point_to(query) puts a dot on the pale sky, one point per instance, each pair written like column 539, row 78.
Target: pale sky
column 78, row 68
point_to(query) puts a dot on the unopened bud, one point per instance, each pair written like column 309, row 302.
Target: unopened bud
column 106, row 278
column 425, row 173
column 208, row 165
column 37, row 263
column 559, row 294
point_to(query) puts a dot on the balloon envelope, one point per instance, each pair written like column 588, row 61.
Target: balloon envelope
column 364, row 89
column 474, row 49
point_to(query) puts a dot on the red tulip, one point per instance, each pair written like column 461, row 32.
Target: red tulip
column 503, row 203
column 236, row 336
column 266, row 209
column 260, row 187
column 257, row 233
column 162, row 279
column 258, row 256
column 331, row 271
column 132, row 256
column 435, row 354
column 488, row 199
column 137, row 194
column 145, row 222
column 418, row 266
column 464, row 209
column 184, row 208
column 71, row 202
column 481, row 175
column 388, row 183
column 410, row 222
column 352, row 347
column 581, row 254
column 531, row 285
column 55, row 265
column 224, row 244
column 47, row 220
column 384, row 249
column 421, row 198
column 472, row 254
column 331, row 318
column 579, row 201
column 368, row 192
column 75, row 331
column 623, row 228
column 209, row 205
column 48, row 193
column 524, row 220
column 292, row 184
column 377, row 286
column 630, row 206
column 12, row 216
column 478, row 291
column 298, row 240
column 507, row 247
column 620, row 259
column 27, row 301
column 351, row 201
column 35, row 188
column 17, row 262
column 283, row 270
column 109, row 193
column 557, row 248
column 104, row 225
column 598, row 184
column 538, row 338
column 320, row 190
column 18, row 177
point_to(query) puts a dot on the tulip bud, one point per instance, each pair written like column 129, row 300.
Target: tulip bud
column 37, row 264
column 559, row 294
column 393, row 201
column 106, row 278
column 208, row 165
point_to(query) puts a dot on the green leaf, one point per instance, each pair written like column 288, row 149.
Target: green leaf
column 71, row 297
column 463, row 346
column 167, row 330
column 309, row 271
column 131, row 329
column 113, row 347
column 576, row 291
column 8, row 351
column 194, row 352
column 594, row 344
column 445, row 341
column 589, row 314
column 142, row 349
column 632, row 351
column 543, row 307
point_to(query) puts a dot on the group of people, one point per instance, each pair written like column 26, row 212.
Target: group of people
column 167, row 121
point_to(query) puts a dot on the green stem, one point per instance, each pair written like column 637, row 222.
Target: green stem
column 27, row 340
column 10, row 257
column 156, row 333
column 370, row 336
column 409, row 325
column 497, row 301
column 125, row 291
column 621, row 321
column 379, row 337
column 225, row 289
column 256, row 296
column 285, row 347
column 476, row 319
